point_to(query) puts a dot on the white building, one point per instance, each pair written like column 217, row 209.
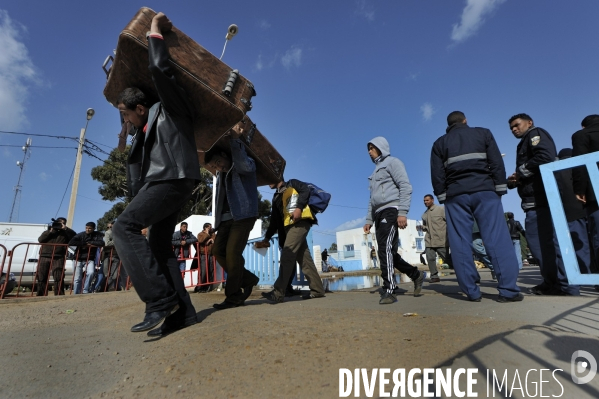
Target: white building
column 354, row 246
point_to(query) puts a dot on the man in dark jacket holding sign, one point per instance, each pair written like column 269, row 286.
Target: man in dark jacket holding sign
column 292, row 217
column 162, row 171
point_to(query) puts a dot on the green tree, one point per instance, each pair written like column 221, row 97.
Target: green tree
column 333, row 247
column 264, row 208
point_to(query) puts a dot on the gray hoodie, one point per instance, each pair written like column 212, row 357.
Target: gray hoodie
column 389, row 183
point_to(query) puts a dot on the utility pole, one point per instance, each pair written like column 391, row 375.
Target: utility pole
column 17, row 200
column 75, row 187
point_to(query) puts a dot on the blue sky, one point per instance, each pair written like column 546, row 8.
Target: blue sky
column 329, row 76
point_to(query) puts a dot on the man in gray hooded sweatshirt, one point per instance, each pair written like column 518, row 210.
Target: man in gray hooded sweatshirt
column 390, row 196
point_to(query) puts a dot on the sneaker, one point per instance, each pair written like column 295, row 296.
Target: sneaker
column 435, row 278
column 418, row 283
column 387, row 298
column 273, row 297
column 504, row 299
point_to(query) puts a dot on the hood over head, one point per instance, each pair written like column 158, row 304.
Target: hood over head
column 382, row 144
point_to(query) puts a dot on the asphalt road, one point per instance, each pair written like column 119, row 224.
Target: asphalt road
column 80, row 346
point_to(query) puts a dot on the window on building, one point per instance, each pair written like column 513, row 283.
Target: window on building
column 419, row 246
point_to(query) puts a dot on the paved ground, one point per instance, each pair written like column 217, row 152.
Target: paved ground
column 80, row 346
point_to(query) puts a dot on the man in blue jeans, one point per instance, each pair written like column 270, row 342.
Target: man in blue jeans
column 515, row 229
column 160, row 185
column 182, row 241
column 468, row 175
column 87, row 243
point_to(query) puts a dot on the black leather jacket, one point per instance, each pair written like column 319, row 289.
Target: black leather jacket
column 167, row 150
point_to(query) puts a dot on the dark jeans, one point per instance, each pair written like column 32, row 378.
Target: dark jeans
column 110, row 268
column 206, row 267
column 151, row 263
column 387, row 239
column 230, row 241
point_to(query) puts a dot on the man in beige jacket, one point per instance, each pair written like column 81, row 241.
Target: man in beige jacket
column 433, row 222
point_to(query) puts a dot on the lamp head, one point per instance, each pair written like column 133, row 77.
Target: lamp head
column 90, row 113
column 232, row 31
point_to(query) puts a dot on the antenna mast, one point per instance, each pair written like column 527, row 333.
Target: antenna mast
column 21, row 164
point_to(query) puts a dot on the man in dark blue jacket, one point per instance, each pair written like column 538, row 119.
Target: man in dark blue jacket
column 468, row 175
column 162, row 170
column 182, row 241
column 234, row 217
column 536, row 148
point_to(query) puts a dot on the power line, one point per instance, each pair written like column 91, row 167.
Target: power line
column 40, row 135
column 65, row 192
column 33, row 146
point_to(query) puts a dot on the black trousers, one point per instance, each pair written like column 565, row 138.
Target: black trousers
column 56, row 267
column 387, row 239
column 151, row 262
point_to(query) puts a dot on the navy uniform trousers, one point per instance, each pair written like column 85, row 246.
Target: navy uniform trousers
column 543, row 245
column 486, row 208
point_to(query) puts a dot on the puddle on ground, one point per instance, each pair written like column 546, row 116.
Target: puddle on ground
column 348, row 283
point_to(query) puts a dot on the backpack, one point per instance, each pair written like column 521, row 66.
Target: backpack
column 319, row 199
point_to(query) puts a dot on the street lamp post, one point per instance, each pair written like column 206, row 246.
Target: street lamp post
column 71, row 213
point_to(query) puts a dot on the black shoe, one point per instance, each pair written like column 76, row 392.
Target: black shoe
column 504, row 299
column 475, row 299
column 541, row 289
column 435, row 278
column 168, row 328
column 152, row 319
column 200, row 289
column 273, row 297
column 493, row 275
column 226, row 305
column 291, row 292
column 247, row 290
column 313, row 296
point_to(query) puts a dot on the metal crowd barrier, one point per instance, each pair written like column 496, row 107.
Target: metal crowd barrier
column 30, row 275
column 191, row 277
column 559, row 216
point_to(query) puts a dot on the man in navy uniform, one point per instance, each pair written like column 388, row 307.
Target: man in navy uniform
column 468, row 175
column 536, row 148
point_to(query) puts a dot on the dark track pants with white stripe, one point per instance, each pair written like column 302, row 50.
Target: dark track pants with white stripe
column 486, row 208
column 385, row 223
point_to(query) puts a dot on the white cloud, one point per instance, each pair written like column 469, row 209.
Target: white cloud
column 17, row 73
column 6, row 153
column 352, row 224
column 427, row 111
column 44, row 176
column 292, row 57
column 472, row 18
column 263, row 24
column 259, row 64
column 365, row 10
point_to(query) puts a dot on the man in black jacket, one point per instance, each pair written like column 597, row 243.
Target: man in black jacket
column 162, row 171
column 87, row 243
column 468, row 175
column 575, row 214
column 182, row 241
column 584, row 142
column 52, row 257
column 536, row 148
column 515, row 229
